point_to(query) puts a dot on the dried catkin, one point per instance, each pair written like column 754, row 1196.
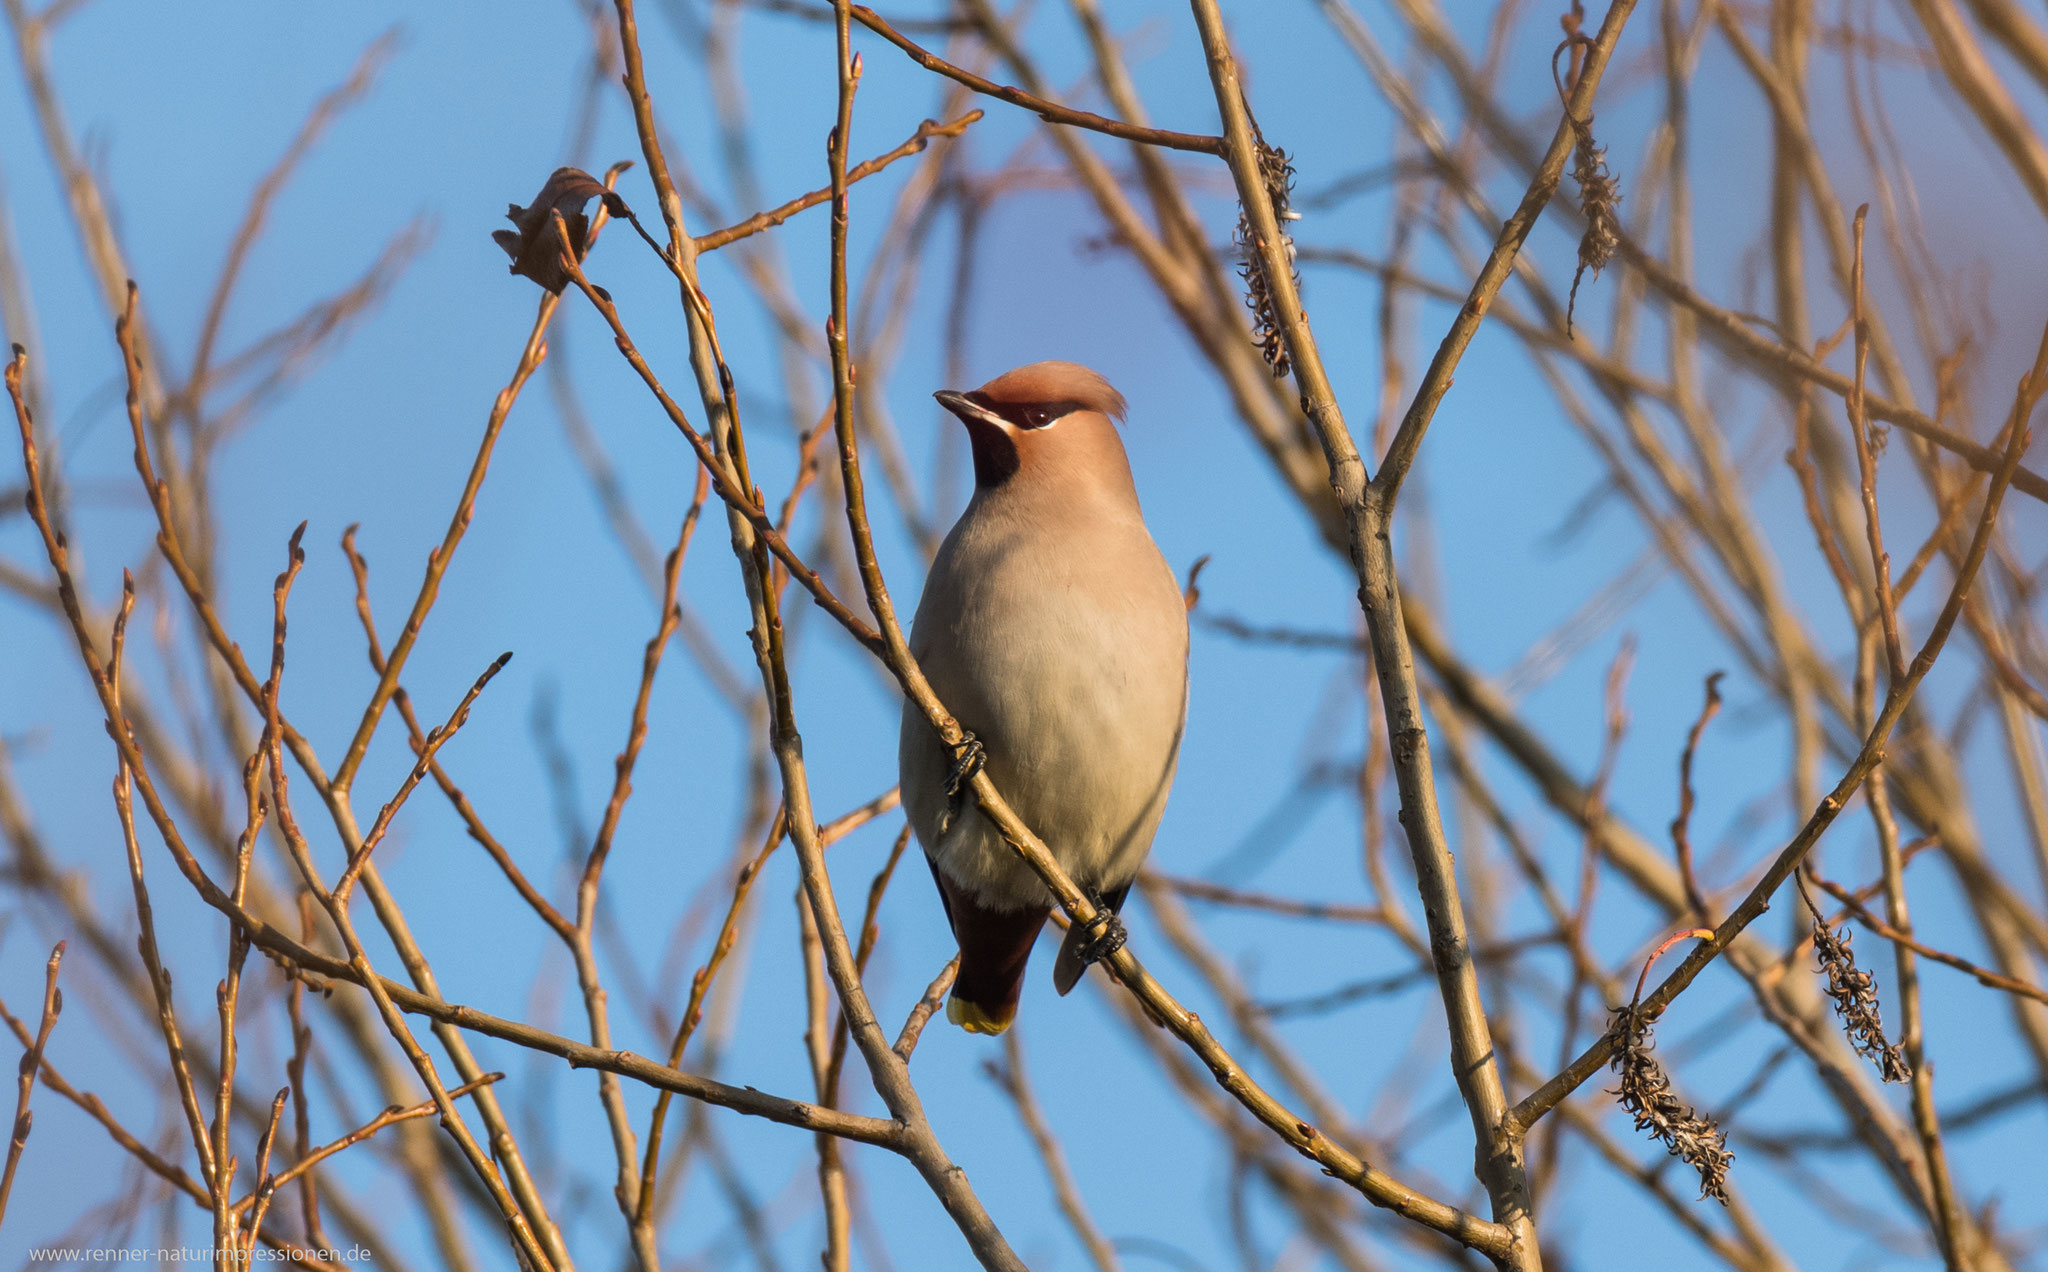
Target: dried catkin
column 1646, row 1093
column 1278, row 175
column 1599, row 194
column 1854, row 992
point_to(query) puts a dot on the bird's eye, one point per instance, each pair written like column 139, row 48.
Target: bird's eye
column 1037, row 416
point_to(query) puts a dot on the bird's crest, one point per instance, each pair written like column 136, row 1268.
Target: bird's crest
column 1055, row 382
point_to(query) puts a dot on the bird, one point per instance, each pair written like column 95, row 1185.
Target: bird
column 1054, row 631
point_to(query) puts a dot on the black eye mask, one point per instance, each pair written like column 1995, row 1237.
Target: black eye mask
column 1026, row 415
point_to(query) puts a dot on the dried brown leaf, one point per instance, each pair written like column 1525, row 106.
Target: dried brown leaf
column 536, row 247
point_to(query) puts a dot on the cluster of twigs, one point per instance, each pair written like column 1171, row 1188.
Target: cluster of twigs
column 265, row 829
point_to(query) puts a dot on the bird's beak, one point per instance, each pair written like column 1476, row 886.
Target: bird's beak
column 968, row 410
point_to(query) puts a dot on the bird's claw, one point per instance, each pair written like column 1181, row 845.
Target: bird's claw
column 968, row 759
column 1102, row 935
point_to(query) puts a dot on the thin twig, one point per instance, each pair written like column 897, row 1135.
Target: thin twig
column 96, row 1109
column 1202, row 890
column 1867, row 445
column 934, row 998
column 2031, row 388
column 417, row 736
column 266, row 1185
column 1681, row 837
column 1010, row 1076
column 31, row 1064
column 1500, row 261
column 295, row 1073
column 434, row 740
column 1982, row 975
column 628, row 1190
column 1050, row 112
column 391, row 1116
column 760, row 221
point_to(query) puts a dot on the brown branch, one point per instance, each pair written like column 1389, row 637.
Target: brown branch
column 760, row 221
column 152, row 957
column 1050, row 112
column 95, row 1108
column 913, row 1136
column 1501, row 260
column 1800, row 457
column 169, row 544
column 266, row 1186
column 1990, row 642
column 295, row 1073
column 390, row 1116
column 1735, row 334
column 1681, row 837
column 1124, row 964
column 440, row 558
column 870, row 934
column 31, row 1064
column 2031, row 388
column 921, row 1014
column 417, row 736
column 429, row 748
column 724, row 482
column 1202, row 890
column 1366, row 506
column 525, row 1239
column 646, row 1251
column 728, row 935
column 818, row 1039
column 1010, row 1076
column 1944, row 1214
column 133, row 765
column 730, row 485
column 1866, row 466
column 810, row 1117
column 324, row 112
column 693, row 1012
column 1983, row 975
column 226, row 1240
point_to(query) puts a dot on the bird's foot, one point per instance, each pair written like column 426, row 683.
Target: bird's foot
column 1102, row 935
column 968, row 759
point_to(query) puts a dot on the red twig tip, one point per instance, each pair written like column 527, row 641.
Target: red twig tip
column 1704, row 934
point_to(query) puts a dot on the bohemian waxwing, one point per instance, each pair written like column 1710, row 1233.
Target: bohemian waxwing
column 1054, row 631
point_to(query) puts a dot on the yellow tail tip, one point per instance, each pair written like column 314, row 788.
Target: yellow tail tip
column 976, row 1019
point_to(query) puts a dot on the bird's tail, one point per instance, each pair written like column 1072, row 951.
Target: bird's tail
column 995, row 947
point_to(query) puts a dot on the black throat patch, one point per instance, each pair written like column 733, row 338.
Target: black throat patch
column 995, row 451
column 995, row 454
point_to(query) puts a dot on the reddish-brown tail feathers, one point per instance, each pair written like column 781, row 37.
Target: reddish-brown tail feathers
column 995, row 946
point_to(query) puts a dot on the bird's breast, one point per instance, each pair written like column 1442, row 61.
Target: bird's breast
column 1071, row 668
